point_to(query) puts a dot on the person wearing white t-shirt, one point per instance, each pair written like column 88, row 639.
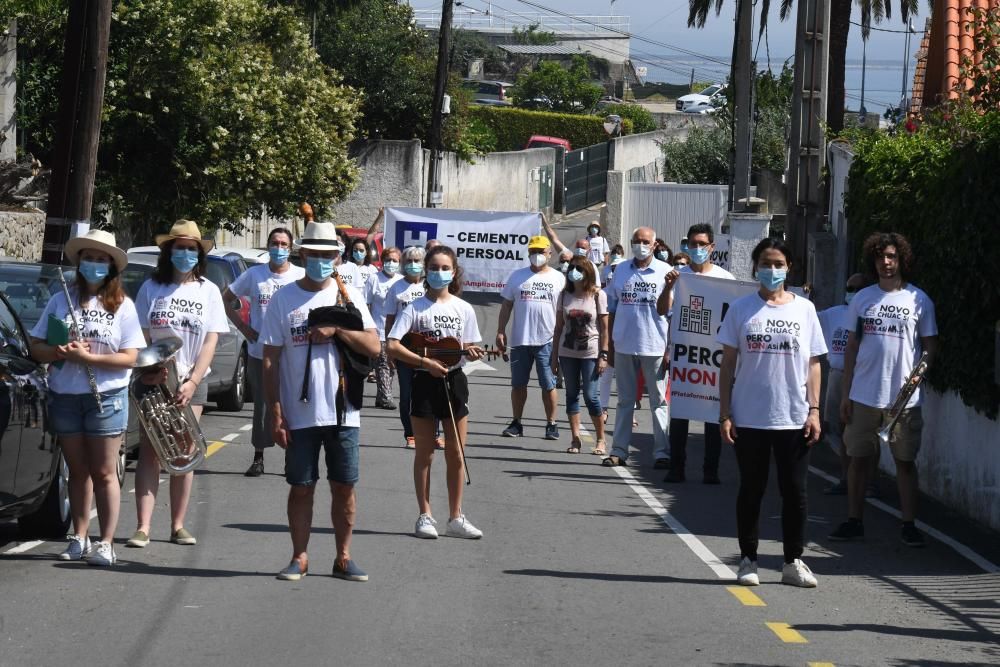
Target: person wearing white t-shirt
column 531, row 294
column 769, row 402
column 639, row 344
column 836, row 328
column 701, row 243
column 599, row 250
column 378, row 290
column 360, row 255
column 401, row 295
column 894, row 323
column 90, row 427
column 177, row 301
column 440, row 388
column 303, row 361
column 258, row 284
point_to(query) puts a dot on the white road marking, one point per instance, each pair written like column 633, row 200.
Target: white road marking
column 229, row 437
column 28, row 546
column 961, row 549
column 693, row 543
column 477, row 365
column 246, row 427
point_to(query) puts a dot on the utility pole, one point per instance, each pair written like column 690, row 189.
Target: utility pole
column 434, row 196
column 742, row 81
column 78, row 125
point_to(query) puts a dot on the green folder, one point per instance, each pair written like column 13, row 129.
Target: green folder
column 56, row 334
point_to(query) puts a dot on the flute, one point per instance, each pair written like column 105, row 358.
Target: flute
column 91, row 378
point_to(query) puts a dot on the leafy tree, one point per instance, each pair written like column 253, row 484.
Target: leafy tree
column 642, row 119
column 212, row 109
column 533, row 35
column 468, row 45
column 570, row 90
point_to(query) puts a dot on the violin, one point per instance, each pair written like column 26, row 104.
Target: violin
column 448, row 351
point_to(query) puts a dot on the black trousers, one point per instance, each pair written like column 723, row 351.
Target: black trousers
column 791, row 458
column 678, row 446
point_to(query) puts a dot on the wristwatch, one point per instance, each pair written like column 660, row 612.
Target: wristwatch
column 603, row 354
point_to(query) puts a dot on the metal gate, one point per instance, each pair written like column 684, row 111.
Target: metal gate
column 585, row 177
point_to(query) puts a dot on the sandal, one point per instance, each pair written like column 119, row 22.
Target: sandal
column 613, row 461
column 598, row 449
column 574, row 446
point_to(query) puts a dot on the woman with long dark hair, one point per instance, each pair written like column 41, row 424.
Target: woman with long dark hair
column 89, row 427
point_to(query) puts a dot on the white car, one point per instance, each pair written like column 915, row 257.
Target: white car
column 705, row 101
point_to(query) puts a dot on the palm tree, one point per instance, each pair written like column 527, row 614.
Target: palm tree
column 840, row 27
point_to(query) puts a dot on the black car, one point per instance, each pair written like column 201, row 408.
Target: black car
column 33, row 475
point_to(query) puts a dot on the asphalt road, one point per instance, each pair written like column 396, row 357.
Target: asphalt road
column 580, row 564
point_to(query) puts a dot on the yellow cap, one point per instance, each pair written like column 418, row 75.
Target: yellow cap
column 538, row 242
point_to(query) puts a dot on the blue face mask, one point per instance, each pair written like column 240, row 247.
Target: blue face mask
column 358, row 255
column 94, row 272
column 319, row 269
column 390, row 268
column 439, row 279
column 699, row 255
column 279, row 255
column 184, row 260
column 575, row 275
column 848, row 296
column 771, row 279
column 413, row 268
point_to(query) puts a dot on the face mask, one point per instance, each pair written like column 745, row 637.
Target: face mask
column 593, row 231
column 184, row 260
column 848, row 296
column 684, row 247
column 699, row 255
column 438, row 279
column 616, row 258
column 680, row 266
column 660, row 255
column 580, row 252
column 358, row 255
column 390, row 268
column 564, row 266
column 94, row 272
column 538, row 259
column 575, row 275
column 319, row 269
column 771, row 278
column 641, row 251
column 279, row 255
column 413, row 268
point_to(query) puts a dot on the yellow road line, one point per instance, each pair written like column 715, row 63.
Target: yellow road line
column 213, row 447
column 786, row 633
column 821, row 664
column 746, row 596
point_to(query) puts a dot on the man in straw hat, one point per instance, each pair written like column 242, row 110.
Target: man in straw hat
column 292, row 350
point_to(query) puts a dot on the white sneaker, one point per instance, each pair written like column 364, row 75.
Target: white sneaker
column 747, row 576
column 462, row 527
column 103, row 555
column 798, row 573
column 426, row 527
column 77, row 548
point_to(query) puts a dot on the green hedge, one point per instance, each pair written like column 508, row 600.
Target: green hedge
column 938, row 187
column 513, row 127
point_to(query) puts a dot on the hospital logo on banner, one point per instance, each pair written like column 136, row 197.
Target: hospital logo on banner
column 414, row 233
column 695, row 318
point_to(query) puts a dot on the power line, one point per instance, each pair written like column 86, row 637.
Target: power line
column 902, row 32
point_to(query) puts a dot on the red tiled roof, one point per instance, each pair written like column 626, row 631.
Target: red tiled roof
column 948, row 43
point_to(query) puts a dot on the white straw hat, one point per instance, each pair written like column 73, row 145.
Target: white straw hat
column 96, row 239
column 320, row 236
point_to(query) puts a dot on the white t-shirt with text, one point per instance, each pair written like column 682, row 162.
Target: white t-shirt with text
column 401, row 295
column 451, row 318
column 598, row 247
column 258, row 284
column 286, row 326
column 891, row 326
column 378, row 290
column 189, row 311
column 632, row 294
column 835, row 330
column 105, row 332
column 534, row 296
column 775, row 344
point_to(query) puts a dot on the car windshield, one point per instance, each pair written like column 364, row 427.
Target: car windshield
column 134, row 276
column 711, row 90
column 28, row 288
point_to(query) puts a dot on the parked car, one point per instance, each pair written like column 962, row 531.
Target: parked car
column 227, row 383
column 540, row 103
column 354, row 233
column 488, row 90
column 541, row 141
column 34, row 478
column 492, row 103
column 250, row 255
column 604, row 103
column 704, row 101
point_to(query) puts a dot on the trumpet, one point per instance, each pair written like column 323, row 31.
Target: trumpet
column 172, row 430
column 903, row 397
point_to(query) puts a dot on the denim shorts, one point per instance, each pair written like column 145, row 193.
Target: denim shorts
column 521, row 359
column 302, row 455
column 77, row 414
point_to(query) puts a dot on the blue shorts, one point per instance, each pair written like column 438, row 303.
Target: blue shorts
column 302, row 455
column 521, row 358
column 76, row 414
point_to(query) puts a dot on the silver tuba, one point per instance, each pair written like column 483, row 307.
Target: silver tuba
column 173, row 431
column 903, row 397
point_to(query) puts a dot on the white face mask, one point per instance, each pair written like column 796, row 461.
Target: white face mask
column 581, row 252
column 641, row 250
column 538, row 259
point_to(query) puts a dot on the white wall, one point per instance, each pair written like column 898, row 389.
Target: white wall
column 671, row 208
column 495, row 182
column 636, row 151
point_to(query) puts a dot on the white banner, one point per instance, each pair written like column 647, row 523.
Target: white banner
column 490, row 245
column 720, row 256
column 700, row 304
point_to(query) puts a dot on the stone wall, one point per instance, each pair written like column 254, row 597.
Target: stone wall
column 391, row 175
column 21, row 235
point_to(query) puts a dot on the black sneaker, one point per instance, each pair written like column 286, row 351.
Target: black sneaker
column 675, row 476
column 513, row 430
column 551, row 432
column 256, row 468
column 912, row 537
column 847, row 531
column 661, row 464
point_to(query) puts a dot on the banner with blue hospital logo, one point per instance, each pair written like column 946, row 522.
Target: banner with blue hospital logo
column 490, row 245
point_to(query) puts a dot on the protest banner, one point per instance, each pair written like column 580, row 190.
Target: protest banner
column 700, row 304
column 720, row 256
column 490, row 245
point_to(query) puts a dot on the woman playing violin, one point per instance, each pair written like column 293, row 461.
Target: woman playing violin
column 438, row 381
